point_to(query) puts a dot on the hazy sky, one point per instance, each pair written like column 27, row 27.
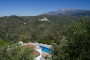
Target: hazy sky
column 36, row 7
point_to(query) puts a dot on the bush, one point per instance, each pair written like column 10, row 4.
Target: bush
column 25, row 40
column 3, row 42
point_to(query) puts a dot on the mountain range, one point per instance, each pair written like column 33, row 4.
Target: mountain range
column 72, row 12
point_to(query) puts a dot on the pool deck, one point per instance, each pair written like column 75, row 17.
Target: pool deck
column 40, row 44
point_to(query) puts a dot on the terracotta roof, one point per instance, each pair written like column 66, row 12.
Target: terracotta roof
column 36, row 53
column 29, row 45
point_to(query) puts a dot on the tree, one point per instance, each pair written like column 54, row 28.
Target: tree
column 79, row 39
column 77, row 43
column 15, row 52
column 59, row 51
column 27, row 54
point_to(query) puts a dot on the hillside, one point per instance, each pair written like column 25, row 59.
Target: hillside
column 13, row 28
column 72, row 12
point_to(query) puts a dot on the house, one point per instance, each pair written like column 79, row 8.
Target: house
column 39, row 55
column 44, row 19
column 20, row 42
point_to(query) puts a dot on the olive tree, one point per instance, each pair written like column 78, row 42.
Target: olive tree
column 77, row 46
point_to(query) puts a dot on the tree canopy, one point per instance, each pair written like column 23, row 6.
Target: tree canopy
column 77, row 45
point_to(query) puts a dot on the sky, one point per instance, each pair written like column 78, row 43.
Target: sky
column 37, row 7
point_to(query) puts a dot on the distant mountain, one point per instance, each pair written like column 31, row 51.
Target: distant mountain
column 72, row 12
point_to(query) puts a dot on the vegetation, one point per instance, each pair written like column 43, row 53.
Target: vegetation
column 13, row 28
column 70, row 40
column 76, row 46
column 14, row 52
column 3, row 43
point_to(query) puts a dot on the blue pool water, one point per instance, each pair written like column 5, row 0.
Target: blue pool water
column 44, row 49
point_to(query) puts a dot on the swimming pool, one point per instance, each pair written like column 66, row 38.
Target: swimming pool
column 44, row 49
